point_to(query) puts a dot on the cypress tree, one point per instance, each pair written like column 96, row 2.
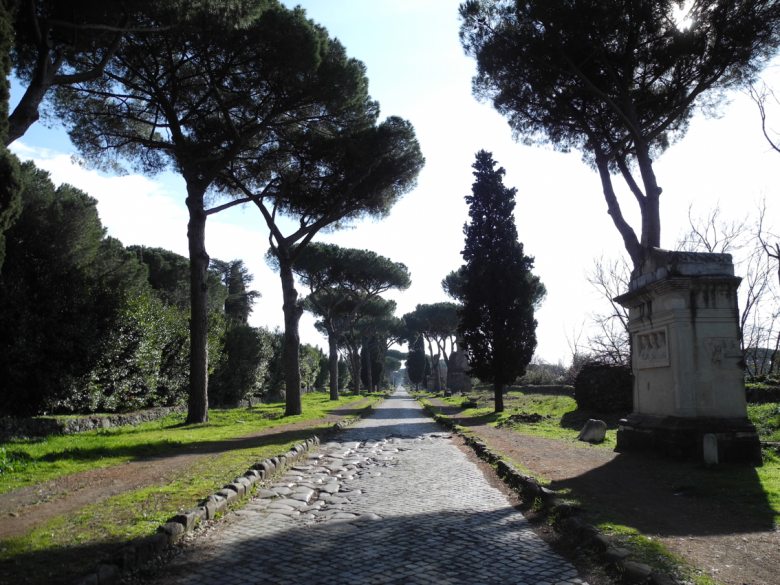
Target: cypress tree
column 499, row 291
column 415, row 362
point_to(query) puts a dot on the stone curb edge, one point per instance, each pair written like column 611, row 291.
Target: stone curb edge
column 553, row 505
column 140, row 551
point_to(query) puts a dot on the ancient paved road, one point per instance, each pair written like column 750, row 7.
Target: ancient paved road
column 393, row 502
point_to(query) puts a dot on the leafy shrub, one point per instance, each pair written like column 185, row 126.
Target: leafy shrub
column 248, row 351
column 604, row 387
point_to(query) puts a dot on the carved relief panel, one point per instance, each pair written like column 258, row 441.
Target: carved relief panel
column 652, row 349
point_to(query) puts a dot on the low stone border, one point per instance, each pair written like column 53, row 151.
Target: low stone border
column 51, row 425
column 565, row 513
column 141, row 551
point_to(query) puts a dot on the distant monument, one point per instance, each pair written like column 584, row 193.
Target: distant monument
column 458, row 381
column 689, row 380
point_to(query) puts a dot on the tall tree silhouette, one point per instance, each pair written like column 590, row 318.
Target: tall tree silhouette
column 497, row 323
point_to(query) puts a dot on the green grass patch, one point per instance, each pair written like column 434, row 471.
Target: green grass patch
column 29, row 461
column 766, row 417
column 650, row 552
column 71, row 545
column 554, row 417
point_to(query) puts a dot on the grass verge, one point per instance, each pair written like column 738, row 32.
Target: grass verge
column 29, row 461
column 70, row 545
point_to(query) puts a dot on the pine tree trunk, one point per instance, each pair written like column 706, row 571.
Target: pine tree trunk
column 198, row 406
column 354, row 357
column 292, row 340
column 367, row 360
column 498, row 390
column 333, row 362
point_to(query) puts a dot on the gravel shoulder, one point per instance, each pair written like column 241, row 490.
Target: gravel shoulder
column 733, row 547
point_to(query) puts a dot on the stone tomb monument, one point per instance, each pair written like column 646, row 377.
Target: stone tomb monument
column 458, row 381
column 688, row 369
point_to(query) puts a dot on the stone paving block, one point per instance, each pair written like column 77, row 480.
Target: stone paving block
column 423, row 514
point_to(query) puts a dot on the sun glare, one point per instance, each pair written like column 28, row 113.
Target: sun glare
column 680, row 14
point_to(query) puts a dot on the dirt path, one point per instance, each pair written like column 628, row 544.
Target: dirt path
column 25, row 508
column 734, row 547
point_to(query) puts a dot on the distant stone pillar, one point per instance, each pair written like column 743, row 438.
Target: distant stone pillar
column 457, row 376
column 688, row 368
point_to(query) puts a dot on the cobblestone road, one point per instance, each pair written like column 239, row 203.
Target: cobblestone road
column 392, row 502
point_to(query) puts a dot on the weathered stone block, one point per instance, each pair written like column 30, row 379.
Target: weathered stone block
column 156, row 542
column 635, row 572
column 688, row 366
column 214, row 504
column 567, row 509
column 616, row 555
column 601, row 542
column 594, row 431
column 229, row 493
column 238, row 487
column 173, row 530
column 710, row 449
column 190, row 518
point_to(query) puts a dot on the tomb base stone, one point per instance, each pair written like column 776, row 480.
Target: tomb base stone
column 688, row 370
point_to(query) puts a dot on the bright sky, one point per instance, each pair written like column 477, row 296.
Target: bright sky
column 417, row 70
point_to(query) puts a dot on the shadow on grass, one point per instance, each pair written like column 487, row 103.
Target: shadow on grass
column 164, row 448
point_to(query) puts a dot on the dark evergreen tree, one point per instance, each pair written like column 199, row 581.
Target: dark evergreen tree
column 56, row 315
column 415, row 362
column 10, row 186
column 236, row 277
column 497, row 319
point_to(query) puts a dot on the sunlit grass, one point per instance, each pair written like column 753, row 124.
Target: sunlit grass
column 560, row 417
column 29, row 461
column 70, row 545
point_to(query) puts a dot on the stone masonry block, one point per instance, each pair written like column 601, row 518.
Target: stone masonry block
column 244, row 481
column 214, row 504
column 238, row 487
column 601, row 542
column 616, row 556
column 124, row 558
column 189, row 518
column 173, row 530
column 635, row 572
column 567, row 509
column 229, row 493
column 108, row 574
column 155, row 542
